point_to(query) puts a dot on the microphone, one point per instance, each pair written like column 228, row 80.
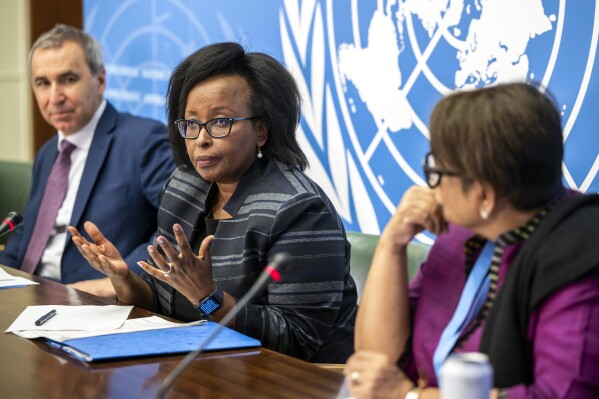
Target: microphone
column 12, row 220
column 269, row 273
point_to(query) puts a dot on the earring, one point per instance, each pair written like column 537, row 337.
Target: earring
column 259, row 153
column 484, row 214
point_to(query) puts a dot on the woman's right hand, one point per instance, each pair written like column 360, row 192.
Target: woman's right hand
column 417, row 211
column 373, row 375
column 102, row 255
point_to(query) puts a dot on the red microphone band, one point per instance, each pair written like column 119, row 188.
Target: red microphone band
column 274, row 273
column 11, row 224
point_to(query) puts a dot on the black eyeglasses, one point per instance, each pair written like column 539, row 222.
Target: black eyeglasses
column 432, row 173
column 217, row 128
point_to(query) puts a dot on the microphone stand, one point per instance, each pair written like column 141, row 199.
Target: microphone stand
column 258, row 286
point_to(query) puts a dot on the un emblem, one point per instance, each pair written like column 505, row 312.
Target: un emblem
column 371, row 72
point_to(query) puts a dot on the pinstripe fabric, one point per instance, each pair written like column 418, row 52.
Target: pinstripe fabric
column 310, row 314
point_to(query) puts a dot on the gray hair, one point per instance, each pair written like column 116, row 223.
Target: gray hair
column 55, row 38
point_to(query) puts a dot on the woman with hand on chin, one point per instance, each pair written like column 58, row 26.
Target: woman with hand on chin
column 238, row 198
column 506, row 227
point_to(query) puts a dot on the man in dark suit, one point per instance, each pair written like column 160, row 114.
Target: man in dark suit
column 118, row 166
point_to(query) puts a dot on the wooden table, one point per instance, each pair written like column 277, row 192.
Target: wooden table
column 32, row 369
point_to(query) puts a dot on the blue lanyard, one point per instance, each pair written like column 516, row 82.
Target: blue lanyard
column 471, row 302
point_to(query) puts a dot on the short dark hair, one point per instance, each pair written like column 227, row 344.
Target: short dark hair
column 55, row 38
column 508, row 135
column 274, row 97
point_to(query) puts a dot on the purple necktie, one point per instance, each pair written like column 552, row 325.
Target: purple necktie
column 56, row 189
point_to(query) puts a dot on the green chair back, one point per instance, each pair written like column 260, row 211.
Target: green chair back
column 15, row 183
column 362, row 251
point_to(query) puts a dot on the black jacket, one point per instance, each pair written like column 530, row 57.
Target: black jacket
column 561, row 251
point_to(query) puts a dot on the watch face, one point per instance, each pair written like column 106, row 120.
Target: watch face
column 209, row 305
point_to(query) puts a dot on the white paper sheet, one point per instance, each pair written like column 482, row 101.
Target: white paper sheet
column 131, row 325
column 8, row 280
column 79, row 318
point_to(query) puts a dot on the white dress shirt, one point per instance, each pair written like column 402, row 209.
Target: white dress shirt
column 50, row 263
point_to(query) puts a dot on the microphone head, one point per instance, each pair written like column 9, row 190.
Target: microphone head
column 279, row 263
column 12, row 220
column 14, row 217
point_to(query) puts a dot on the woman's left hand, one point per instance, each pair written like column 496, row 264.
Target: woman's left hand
column 189, row 274
column 374, row 375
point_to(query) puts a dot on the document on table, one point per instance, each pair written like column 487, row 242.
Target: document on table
column 131, row 325
column 72, row 322
column 93, row 333
column 155, row 342
column 68, row 318
column 7, row 280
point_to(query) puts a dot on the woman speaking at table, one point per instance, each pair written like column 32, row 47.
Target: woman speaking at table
column 238, row 198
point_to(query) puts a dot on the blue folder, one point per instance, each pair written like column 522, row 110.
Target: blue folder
column 153, row 342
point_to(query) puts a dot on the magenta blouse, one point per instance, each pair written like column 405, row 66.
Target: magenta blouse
column 563, row 333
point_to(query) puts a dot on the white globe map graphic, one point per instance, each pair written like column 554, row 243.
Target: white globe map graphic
column 386, row 69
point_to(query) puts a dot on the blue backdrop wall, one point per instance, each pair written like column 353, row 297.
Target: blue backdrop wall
column 370, row 73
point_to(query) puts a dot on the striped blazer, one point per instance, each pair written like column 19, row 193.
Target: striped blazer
column 310, row 313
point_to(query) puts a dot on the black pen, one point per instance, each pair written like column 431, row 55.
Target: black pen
column 45, row 317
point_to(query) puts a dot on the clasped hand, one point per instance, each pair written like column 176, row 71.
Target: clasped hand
column 189, row 274
column 373, row 375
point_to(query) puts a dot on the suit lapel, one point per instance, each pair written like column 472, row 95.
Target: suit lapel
column 98, row 151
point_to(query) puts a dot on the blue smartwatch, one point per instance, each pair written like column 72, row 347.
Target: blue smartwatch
column 212, row 302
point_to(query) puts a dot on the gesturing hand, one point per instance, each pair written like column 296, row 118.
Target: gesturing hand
column 189, row 274
column 102, row 255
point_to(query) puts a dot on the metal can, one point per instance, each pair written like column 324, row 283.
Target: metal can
column 466, row 375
